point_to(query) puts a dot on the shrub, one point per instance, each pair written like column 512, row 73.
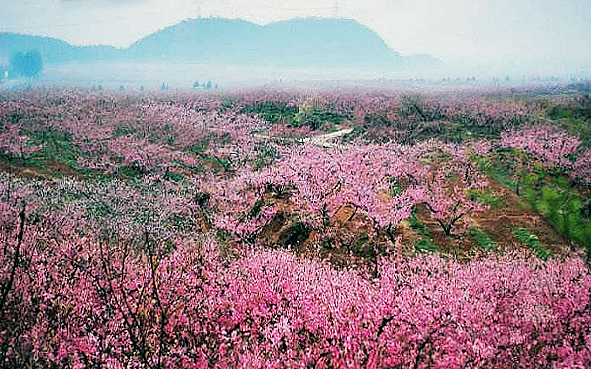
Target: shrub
column 483, row 240
column 531, row 241
column 131, row 171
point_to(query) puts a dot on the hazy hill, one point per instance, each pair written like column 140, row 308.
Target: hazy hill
column 200, row 40
column 328, row 41
column 54, row 50
column 296, row 42
column 300, row 42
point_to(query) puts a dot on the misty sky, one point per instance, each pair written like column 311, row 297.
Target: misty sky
column 443, row 28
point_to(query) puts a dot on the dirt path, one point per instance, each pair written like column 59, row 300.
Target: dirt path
column 323, row 140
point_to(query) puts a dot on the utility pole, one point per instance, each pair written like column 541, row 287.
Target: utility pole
column 336, row 8
column 197, row 7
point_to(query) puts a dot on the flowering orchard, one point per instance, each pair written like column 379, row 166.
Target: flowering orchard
column 201, row 231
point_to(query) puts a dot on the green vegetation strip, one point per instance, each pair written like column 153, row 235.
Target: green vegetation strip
column 425, row 243
column 562, row 205
column 483, row 240
column 525, row 238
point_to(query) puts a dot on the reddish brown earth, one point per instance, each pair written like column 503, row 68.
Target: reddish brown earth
column 52, row 168
column 499, row 222
column 351, row 232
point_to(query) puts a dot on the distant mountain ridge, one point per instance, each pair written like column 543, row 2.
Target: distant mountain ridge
column 299, row 42
column 295, row 42
column 54, row 50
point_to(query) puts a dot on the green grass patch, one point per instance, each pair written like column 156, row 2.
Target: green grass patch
column 122, row 130
column 131, row 172
column 485, row 198
column 198, row 149
column 503, row 167
column 425, row 243
column 173, row 177
column 280, row 112
column 524, row 237
column 574, row 117
column 94, row 174
column 217, row 164
column 547, row 190
column 555, row 198
column 396, row 187
column 318, row 117
column 99, row 211
column 56, row 146
column 560, row 111
column 418, row 226
column 578, row 127
column 195, row 169
column 483, row 240
column 228, row 104
column 272, row 111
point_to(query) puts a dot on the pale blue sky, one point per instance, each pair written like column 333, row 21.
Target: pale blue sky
column 444, row 28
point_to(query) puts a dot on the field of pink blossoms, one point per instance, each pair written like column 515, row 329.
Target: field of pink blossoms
column 206, row 230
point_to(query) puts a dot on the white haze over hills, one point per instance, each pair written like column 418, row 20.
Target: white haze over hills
column 231, row 52
column 522, row 40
